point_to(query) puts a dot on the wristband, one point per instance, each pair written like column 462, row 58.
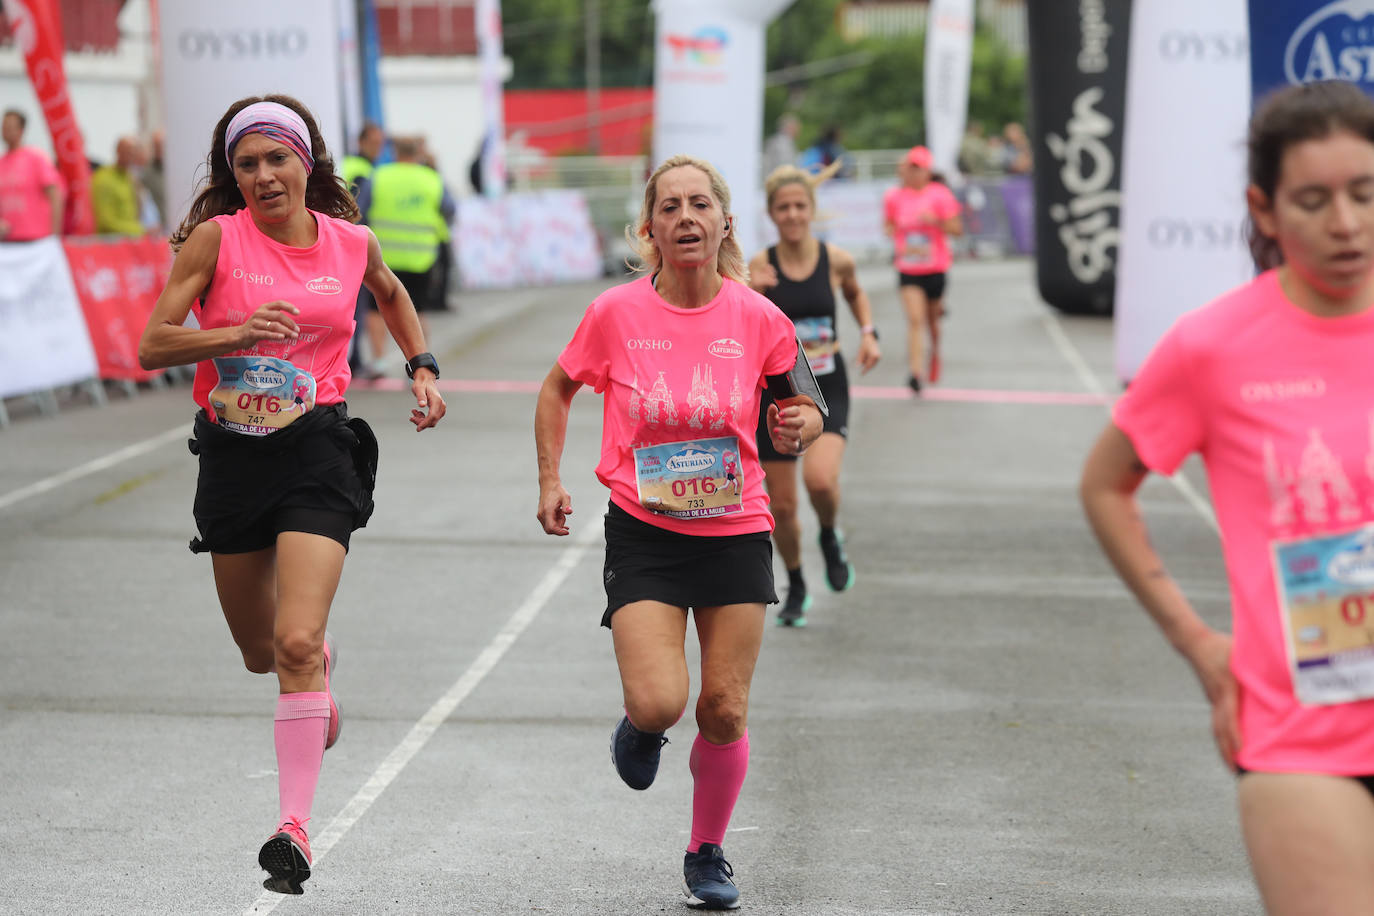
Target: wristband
column 869, row 329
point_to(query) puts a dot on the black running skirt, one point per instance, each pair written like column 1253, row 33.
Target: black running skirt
column 648, row 563
column 325, row 461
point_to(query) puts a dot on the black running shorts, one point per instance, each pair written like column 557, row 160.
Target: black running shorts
column 648, row 563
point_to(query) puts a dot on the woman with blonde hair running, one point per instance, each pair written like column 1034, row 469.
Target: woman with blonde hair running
column 681, row 356
column 799, row 274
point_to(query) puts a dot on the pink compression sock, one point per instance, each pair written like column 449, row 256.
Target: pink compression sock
column 718, row 772
column 302, row 721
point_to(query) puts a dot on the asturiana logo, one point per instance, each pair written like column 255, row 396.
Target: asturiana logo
column 690, row 460
column 726, row 348
column 1354, row 567
column 325, row 286
column 263, row 377
column 1334, row 42
column 705, row 46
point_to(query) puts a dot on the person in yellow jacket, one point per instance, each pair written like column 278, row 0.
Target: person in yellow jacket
column 357, row 167
column 405, row 202
column 116, row 193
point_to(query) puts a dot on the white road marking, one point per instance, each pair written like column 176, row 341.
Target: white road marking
column 1090, row 381
column 429, row 723
column 91, row 467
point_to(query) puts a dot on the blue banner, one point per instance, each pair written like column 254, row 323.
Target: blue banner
column 370, row 49
column 1302, row 41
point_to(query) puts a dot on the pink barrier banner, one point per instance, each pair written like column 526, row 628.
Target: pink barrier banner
column 117, row 282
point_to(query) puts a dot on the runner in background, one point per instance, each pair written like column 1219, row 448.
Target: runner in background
column 1272, row 384
column 799, row 275
column 271, row 260
column 920, row 215
column 681, row 357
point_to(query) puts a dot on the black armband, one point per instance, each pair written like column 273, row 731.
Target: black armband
column 799, row 380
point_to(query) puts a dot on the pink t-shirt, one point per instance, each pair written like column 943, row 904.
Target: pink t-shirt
column 920, row 246
column 682, row 391
column 1280, row 404
column 322, row 281
column 24, row 174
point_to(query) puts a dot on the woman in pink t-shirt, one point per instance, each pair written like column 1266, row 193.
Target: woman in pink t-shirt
column 681, row 356
column 271, row 259
column 1273, row 385
column 920, row 216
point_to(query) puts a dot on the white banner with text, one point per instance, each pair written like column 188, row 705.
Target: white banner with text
column 1183, row 180
column 43, row 337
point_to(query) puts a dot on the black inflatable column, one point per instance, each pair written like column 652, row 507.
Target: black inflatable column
column 1077, row 106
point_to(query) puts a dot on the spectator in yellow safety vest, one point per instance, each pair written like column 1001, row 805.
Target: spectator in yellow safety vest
column 405, row 203
column 358, row 166
column 116, row 194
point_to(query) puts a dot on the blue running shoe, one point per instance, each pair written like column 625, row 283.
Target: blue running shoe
column 635, row 754
column 708, row 880
column 793, row 611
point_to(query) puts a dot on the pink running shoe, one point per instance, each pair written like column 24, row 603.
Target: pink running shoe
column 335, row 723
column 286, row 858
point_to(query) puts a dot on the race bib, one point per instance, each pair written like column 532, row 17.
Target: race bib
column 258, row 395
column 696, row 479
column 1326, row 598
column 916, row 250
column 817, row 336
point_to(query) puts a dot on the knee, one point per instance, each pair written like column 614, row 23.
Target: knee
column 823, row 487
column 722, row 716
column 654, row 713
column 259, row 662
column 784, row 509
column 299, row 652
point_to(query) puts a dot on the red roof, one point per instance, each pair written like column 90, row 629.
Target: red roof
column 87, row 25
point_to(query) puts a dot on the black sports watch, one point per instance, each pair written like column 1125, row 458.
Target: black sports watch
column 421, row 361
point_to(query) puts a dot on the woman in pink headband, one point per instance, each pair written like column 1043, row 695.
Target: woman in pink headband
column 271, row 259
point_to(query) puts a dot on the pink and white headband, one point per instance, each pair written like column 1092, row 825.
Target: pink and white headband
column 274, row 120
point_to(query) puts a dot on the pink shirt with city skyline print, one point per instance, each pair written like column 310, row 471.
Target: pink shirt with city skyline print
column 1280, row 405
column 683, row 384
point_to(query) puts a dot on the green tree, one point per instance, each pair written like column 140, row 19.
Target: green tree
column 878, row 104
column 545, row 40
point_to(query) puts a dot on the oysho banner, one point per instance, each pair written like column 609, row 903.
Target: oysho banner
column 216, row 53
column 948, row 57
column 708, row 92
column 1302, row 41
column 43, row 337
column 1183, row 189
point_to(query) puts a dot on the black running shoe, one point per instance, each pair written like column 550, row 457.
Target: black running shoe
column 914, row 383
column 793, row 611
column 286, row 858
column 839, row 572
column 635, row 754
column 708, row 880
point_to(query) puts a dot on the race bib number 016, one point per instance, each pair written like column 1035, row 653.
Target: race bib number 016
column 1326, row 597
column 258, row 395
column 696, row 479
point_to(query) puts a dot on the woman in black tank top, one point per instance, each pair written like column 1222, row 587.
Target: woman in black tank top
column 799, row 274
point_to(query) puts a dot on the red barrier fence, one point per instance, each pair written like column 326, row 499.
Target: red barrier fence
column 118, row 281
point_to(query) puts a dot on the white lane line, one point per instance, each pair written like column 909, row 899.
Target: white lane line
column 91, row 467
column 429, row 723
column 1075, row 359
column 1070, row 352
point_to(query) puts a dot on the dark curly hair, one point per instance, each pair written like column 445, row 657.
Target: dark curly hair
column 325, row 192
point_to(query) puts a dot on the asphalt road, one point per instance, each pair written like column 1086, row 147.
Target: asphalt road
column 984, row 724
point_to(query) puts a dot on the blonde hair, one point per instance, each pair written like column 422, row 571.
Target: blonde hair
column 784, row 175
column 730, row 260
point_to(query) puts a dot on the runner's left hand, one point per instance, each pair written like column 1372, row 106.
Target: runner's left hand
column 430, row 407
column 869, row 353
